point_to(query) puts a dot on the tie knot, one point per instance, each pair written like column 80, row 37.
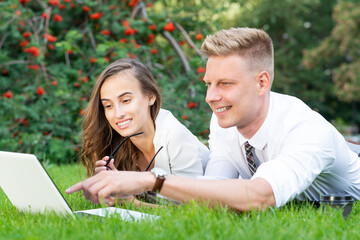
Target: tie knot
column 248, row 147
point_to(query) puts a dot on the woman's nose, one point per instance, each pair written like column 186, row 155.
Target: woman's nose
column 119, row 111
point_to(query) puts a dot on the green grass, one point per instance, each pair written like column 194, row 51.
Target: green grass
column 191, row 221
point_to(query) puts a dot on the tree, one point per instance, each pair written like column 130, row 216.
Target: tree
column 340, row 52
column 338, row 55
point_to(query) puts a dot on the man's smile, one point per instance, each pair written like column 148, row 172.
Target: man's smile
column 222, row 109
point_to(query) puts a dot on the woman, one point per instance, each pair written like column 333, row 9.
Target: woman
column 126, row 101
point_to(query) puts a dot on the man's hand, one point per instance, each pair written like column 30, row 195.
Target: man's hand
column 107, row 184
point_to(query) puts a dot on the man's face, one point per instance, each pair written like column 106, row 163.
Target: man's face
column 233, row 91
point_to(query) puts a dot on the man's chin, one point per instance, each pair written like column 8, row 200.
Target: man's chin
column 224, row 124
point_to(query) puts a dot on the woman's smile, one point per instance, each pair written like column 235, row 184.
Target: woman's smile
column 124, row 124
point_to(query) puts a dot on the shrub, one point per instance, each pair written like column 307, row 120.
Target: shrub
column 52, row 51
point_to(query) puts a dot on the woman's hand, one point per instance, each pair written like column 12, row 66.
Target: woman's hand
column 100, row 165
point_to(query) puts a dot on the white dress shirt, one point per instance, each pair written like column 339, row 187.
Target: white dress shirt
column 298, row 153
column 182, row 154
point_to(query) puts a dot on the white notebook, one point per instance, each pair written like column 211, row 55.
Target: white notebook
column 29, row 188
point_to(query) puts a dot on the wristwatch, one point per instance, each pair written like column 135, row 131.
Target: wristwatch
column 160, row 175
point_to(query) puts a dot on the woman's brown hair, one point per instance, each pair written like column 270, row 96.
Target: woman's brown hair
column 99, row 139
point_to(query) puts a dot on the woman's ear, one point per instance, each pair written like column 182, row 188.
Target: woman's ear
column 152, row 99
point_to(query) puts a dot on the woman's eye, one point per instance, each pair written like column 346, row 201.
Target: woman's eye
column 126, row 100
column 107, row 106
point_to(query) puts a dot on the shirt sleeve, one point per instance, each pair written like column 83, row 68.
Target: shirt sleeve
column 304, row 154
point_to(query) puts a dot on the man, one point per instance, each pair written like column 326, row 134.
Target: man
column 268, row 148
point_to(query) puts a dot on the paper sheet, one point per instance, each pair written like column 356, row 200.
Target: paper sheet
column 126, row 215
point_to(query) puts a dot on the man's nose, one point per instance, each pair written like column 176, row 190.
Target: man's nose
column 212, row 95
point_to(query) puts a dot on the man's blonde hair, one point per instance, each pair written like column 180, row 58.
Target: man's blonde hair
column 253, row 44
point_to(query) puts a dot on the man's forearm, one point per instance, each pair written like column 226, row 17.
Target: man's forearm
column 239, row 194
column 242, row 195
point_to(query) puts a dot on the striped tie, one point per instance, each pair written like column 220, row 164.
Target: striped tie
column 250, row 158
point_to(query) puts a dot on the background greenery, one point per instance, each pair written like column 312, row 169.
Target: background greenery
column 51, row 52
column 191, row 221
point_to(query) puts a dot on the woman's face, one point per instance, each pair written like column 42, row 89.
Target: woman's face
column 126, row 107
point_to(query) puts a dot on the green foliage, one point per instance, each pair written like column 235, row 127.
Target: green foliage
column 340, row 51
column 52, row 51
column 192, row 221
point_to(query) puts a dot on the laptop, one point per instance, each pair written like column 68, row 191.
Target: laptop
column 30, row 189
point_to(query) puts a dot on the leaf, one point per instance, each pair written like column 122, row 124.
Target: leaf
column 73, row 35
column 116, row 28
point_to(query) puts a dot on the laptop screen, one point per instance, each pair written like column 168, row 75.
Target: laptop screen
column 28, row 186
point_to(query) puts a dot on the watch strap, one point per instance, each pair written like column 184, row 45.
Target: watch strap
column 158, row 184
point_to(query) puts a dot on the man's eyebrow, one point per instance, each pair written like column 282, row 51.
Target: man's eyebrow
column 218, row 80
column 121, row 95
column 226, row 79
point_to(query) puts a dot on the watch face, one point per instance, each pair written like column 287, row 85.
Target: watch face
column 159, row 172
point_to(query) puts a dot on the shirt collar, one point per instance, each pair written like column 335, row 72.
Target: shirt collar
column 261, row 137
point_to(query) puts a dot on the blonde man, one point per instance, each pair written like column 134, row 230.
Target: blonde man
column 266, row 148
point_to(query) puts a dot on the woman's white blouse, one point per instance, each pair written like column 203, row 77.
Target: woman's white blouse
column 182, row 154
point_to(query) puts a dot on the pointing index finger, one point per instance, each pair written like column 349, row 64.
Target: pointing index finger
column 74, row 188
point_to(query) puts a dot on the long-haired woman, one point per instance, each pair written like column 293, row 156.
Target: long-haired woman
column 126, row 101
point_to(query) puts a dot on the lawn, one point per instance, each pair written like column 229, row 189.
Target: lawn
column 191, row 221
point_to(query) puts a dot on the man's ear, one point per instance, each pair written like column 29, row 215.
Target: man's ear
column 263, row 82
